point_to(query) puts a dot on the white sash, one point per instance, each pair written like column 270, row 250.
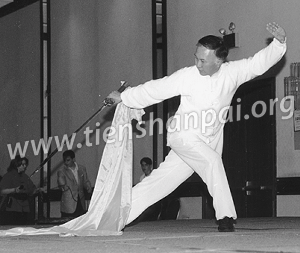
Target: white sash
column 111, row 200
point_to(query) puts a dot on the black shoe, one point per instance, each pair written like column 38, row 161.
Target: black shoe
column 226, row 225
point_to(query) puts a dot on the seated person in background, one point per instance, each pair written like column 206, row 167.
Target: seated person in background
column 72, row 179
column 146, row 165
column 16, row 189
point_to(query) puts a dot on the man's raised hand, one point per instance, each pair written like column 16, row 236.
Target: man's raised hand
column 277, row 31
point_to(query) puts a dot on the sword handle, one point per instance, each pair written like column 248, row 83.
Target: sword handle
column 124, row 85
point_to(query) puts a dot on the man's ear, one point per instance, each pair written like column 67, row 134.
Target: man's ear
column 219, row 62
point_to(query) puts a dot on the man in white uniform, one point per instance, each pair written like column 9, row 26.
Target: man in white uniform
column 195, row 133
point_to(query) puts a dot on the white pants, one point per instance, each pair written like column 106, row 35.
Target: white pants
column 188, row 154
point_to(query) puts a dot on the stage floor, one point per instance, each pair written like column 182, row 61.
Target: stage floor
column 253, row 235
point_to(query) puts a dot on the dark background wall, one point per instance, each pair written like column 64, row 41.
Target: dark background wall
column 20, row 82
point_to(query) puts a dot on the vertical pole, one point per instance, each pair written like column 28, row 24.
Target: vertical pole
column 45, row 93
column 165, row 72
column 154, row 74
column 48, row 91
column 40, row 199
column 159, row 66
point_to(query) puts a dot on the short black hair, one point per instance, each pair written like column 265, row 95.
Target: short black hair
column 68, row 153
column 146, row 160
column 216, row 43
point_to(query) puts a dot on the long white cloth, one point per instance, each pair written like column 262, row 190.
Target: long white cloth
column 111, row 200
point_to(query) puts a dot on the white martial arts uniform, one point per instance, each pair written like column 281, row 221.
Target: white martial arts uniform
column 196, row 145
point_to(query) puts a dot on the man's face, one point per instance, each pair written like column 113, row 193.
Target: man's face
column 69, row 162
column 206, row 61
column 146, row 168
